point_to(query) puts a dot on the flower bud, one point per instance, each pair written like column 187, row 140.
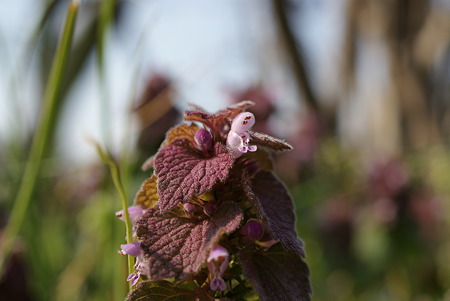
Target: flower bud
column 210, row 208
column 204, row 139
column 189, row 208
column 253, row 230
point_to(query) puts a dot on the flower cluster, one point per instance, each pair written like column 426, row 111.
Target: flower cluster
column 214, row 215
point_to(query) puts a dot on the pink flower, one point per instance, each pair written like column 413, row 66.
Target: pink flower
column 132, row 249
column 135, row 213
column 238, row 138
column 141, row 267
column 217, row 264
column 217, row 283
column 134, row 278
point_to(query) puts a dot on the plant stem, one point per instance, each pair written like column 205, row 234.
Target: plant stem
column 115, row 174
column 41, row 137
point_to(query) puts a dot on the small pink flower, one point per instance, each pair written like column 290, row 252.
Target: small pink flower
column 217, row 264
column 134, row 278
column 135, row 213
column 217, row 283
column 238, row 138
column 132, row 249
column 243, row 122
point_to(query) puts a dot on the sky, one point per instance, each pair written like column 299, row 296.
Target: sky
column 207, row 47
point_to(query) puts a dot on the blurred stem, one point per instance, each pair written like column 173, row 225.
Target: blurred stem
column 106, row 16
column 115, row 174
column 41, row 136
column 294, row 53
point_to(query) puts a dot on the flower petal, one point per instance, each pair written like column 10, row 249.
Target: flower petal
column 134, row 278
column 134, row 212
column 243, row 122
column 217, row 283
column 133, row 249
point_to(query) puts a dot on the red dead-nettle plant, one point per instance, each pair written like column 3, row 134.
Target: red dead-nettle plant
column 213, row 221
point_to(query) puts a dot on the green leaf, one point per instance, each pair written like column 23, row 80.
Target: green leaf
column 165, row 291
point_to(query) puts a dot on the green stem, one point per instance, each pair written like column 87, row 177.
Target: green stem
column 41, row 137
column 107, row 8
column 115, row 174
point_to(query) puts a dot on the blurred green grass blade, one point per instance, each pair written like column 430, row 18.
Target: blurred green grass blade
column 107, row 8
column 41, row 137
column 106, row 14
column 115, row 174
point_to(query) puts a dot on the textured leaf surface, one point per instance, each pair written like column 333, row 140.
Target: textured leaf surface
column 183, row 131
column 269, row 141
column 147, row 196
column 276, row 274
column 164, row 291
column 183, row 172
column 217, row 122
column 176, row 246
column 234, row 110
column 262, row 159
column 275, row 208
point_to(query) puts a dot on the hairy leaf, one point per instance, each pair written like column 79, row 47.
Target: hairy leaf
column 276, row 274
column 215, row 122
column 164, row 291
column 275, row 208
column 183, row 131
column 219, row 121
column 234, row 110
column 269, row 141
column 148, row 163
column 175, row 246
column 261, row 158
column 147, row 196
column 183, row 172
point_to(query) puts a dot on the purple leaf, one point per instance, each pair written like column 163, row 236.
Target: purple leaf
column 182, row 131
column 217, row 122
column 183, row 172
column 274, row 207
column 175, row 246
column 237, row 108
column 269, row 141
column 165, row 290
column 276, row 274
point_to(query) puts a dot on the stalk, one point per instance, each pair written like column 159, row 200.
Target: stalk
column 41, row 137
column 115, row 174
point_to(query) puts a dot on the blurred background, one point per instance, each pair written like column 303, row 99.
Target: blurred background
column 361, row 88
